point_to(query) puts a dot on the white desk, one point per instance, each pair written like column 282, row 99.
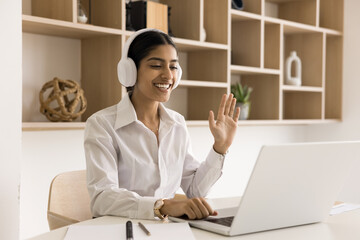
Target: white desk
column 345, row 226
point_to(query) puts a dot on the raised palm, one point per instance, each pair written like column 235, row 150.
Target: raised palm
column 224, row 128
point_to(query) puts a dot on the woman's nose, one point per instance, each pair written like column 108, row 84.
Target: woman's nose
column 166, row 73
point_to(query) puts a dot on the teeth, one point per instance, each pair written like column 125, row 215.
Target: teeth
column 159, row 85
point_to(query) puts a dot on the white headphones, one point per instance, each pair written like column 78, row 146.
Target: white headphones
column 127, row 72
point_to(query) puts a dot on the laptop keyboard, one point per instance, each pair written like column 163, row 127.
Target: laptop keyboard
column 226, row 221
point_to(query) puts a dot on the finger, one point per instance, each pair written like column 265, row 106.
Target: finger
column 221, row 107
column 211, row 120
column 232, row 108
column 195, row 208
column 228, row 104
column 208, row 207
column 202, row 207
column 237, row 114
column 215, row 213
column 190, row 213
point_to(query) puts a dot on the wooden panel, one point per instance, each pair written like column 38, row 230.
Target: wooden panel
column 207, row 66
column 332, row 14
column 157, row 16
column 333, row 77
column 55, row 9
column 265, row 96
column 202, row 100
column 185, row 18
column 299, row 11
column 272, row 46
column 216, row 21
column 309, row 48
column 106, row 13
column 99, row 72
column 302, row 105
column 253, row 6
column 245, row 43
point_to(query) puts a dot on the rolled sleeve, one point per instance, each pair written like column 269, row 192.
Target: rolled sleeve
column 146, row 207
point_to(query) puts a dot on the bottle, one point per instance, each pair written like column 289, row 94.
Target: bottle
column 82, row 15
column 293, row 80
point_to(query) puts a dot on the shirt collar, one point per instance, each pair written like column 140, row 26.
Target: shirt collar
column 126, row 113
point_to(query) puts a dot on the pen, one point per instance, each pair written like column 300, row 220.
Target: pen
column 144, row 229
column 129, row 231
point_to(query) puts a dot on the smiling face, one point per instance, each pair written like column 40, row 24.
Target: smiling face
column 156, row 74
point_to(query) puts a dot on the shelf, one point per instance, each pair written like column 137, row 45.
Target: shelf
column 191, row 83
column 193, row 45
column 47, row 26
column 289, row 88
column 237, row 15
column 44, row 126
column 235, row 69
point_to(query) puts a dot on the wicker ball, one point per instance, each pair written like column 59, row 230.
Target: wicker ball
column 65, row 102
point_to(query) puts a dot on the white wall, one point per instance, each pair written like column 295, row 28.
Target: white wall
column 10, row 121
column 349, row 129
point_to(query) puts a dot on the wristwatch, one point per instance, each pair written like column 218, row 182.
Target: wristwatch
column 157, row 206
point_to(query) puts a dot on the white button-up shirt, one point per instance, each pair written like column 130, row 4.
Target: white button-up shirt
column 127, row 170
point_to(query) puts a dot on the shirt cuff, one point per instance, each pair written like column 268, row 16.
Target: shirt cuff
column 215, row 160
column 146, row 207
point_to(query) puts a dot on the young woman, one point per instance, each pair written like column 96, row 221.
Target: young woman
column 138, row 152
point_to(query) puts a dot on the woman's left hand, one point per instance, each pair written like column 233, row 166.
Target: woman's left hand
column 224, row 128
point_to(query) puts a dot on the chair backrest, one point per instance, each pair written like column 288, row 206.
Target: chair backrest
column 69, row 200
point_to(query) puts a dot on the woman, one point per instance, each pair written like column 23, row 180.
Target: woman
column 138, row 153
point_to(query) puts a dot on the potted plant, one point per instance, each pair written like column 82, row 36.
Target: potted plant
column 242, row 95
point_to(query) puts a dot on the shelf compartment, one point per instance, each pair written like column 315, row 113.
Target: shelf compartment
column 252, row 6
column 52, row 27
column 194, row 103
column 246, row 43
column 272, row 46
column 301, row 11
column 106, row 13
column 53, row 9
column 309, row 48
column 215, row 15
column 265, row 96
column 332, row 14
column 333, row 77
column 207, row 66
column 302, row 105
column 99, row 58
column 185, row 13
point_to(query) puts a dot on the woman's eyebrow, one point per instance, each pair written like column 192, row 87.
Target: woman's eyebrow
column 160, row 59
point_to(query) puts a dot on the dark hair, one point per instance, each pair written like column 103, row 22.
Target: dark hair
column 143, row 44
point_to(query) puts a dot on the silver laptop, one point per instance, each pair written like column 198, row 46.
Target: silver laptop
column 291, row 184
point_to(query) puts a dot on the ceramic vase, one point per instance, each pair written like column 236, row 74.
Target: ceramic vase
column 293, row 80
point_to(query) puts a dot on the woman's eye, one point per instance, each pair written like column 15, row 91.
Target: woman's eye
column 173, row 68
column 156, row 66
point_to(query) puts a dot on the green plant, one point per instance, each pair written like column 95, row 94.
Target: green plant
column 242, row 94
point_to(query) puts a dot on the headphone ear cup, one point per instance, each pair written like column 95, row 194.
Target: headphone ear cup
column 127, row 72
column 178, row 76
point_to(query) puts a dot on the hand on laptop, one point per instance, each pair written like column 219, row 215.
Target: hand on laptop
column 194, row 208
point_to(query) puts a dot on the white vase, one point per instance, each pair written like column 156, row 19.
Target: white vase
column 293, row 80
column 244, row 110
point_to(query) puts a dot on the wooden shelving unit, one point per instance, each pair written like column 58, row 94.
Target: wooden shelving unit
column 250, row 45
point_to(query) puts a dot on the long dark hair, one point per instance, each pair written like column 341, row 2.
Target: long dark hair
column 143, row 44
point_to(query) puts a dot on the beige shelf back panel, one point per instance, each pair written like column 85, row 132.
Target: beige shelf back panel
column 297, row 11
column 302, row 105
column 332, row 14
column 106, row 13
column 185, row 19
column 55, row 9
column 202, row 100
column 253, row 6
column 246, row 43
column 207, row 65
column 309, row 48
column 272, row 46
column 216, row 21
column 99, row 79
column 265, row 96
column 333, row 76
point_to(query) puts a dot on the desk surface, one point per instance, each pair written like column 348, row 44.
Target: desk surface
column 338, row 227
